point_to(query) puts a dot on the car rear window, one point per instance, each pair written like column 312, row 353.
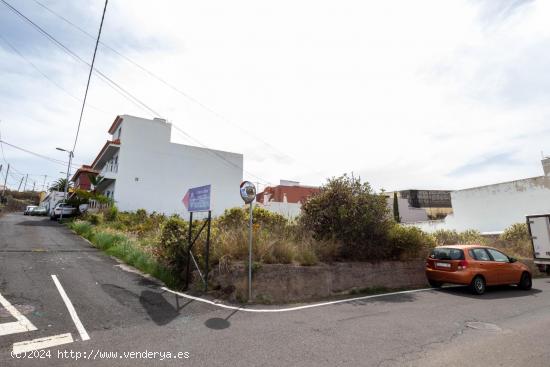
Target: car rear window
column 443, row 253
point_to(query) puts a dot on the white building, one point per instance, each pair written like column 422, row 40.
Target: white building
column 143, row 169
column 492, row 208
column 51, row 199
column 286, row 198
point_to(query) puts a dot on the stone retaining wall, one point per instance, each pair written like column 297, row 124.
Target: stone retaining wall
column 280, row 283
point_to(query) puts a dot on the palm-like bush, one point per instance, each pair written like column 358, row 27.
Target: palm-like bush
column 60, row 184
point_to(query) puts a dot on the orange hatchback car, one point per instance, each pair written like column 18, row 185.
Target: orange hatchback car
column 476, row 266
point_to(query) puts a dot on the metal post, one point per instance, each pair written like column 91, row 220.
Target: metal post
column 66, row 184
column 189, row 243
column 207, row 250
column 25, row 185
column 20, row 183
column 5, row 181
column 250, row 254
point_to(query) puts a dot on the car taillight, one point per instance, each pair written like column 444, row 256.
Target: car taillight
column 428, row 265
column 463, row 264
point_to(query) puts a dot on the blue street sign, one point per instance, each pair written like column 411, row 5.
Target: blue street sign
column 197, row 199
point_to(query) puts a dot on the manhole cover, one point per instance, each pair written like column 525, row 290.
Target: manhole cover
column 24, row 309
column 482, row 326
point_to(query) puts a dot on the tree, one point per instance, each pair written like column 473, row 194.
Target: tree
column 350, row 212
column 95, row 180
column 59, row 185
column 396, row 208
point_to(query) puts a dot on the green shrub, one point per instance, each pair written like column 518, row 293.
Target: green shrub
column 282, row 252
column 446, row 237
column 451, row 237
column 141, row 215
column 266, row 218
column 106, row 240
column 409, row 242
column 306, row 256
column 95, row 218
column 239, row 217
column 349, row 211
column 232, row 218
column 111, row 214
column 517, row 232
column 82, row 228
column 173, row 244
column 472, row 236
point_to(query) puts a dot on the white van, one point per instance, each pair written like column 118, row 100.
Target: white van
column 539, row 231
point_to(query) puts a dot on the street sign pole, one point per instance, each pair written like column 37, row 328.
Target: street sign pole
column 197, row 199
column 250, row 254
column 248, row 194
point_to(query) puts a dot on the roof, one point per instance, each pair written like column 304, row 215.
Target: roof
column 84, row 169
column 105, row 146
column 115, row 125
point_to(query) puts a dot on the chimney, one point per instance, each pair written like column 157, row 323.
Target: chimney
column 546, row 166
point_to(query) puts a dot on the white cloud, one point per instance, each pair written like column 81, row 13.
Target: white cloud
column 402, row 93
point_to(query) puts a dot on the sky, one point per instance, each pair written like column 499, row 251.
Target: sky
column 424, row 94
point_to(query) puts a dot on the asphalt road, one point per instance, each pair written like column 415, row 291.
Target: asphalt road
column 123, row 312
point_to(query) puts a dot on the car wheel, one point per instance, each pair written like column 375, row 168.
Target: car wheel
column 525, row 283
column 434, row 284
column 478, row 285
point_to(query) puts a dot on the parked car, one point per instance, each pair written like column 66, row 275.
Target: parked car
column 66, row 209
column 29, row 209
column 39, row 211
column 476, row 266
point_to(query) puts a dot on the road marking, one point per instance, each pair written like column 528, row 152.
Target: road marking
column 36, row 344
column 83, row 334
column 267, row 310
column 21, row 325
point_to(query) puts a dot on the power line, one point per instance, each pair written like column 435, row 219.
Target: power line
column 112, row 84
column 89, row 77
column 4, row 156
column 163, row 81
column 53, row 160
column 214, row 152
column 53, row 82
column 123, row 92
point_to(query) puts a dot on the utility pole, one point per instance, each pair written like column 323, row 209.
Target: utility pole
column 71, row 155
column 44, row 184
column 5, row 181
column 25, row 186
column 20, row 183
column 33, row 186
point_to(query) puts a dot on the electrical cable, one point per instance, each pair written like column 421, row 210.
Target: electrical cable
column 111, row 83
column 89, row 78
column 163, row 81
column 10, row 45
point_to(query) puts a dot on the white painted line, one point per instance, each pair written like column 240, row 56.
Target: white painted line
column 42, row 343
column 21, row 325
column 12, row 328
column 267, row 310
column 83, row 334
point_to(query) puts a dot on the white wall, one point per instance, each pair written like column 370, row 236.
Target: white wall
column 165, row 171
column 288, row 210
column 406, row 212
column 492, row 208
